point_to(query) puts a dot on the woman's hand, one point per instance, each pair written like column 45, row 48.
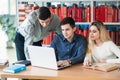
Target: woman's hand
column 87, row 63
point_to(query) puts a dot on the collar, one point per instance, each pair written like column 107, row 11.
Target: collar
column 74, row 37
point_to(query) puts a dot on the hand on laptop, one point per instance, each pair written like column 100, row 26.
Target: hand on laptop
column 63, row 63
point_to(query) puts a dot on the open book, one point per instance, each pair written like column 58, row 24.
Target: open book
column 103, row 66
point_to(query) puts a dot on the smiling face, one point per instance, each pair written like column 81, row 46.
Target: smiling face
column 68, row 31
column 94, row 33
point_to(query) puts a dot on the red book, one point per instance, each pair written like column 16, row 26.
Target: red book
column 103, row 13
column 50, row 37
column 116, row 15
column 77, row 30
column 118, row 38
column 113, row 34
column 63, row 12
column 69, row 12
column 74, row 10
column 78, row 16
column 87, row 14
column 85, row 32
column 109, row 14
column 59, row 12
column 119, row 15
column 97, row 13
column 52, row 9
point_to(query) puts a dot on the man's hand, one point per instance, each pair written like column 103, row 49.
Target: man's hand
column 63, row 63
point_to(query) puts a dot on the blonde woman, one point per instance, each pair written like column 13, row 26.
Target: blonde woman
column 100, row 47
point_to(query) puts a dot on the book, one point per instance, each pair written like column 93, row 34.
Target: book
column 24, row 62
column 106, row 67
column 15, row 68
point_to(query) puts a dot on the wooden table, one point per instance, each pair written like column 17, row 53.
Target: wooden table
column 75, row 72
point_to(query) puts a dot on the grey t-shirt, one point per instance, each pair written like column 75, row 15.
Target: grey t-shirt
column 33, row 31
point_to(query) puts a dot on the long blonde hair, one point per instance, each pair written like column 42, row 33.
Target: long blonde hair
column 104, row 36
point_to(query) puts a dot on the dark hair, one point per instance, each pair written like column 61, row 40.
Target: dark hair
column 44, row 13
column 68, row 20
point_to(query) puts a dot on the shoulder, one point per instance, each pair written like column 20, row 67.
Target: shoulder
column 80, row 37
column 109, row 43
column 54, row 17
column 57, row 39
column 59, row 36
column 33, row 15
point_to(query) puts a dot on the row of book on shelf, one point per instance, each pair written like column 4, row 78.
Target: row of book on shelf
column 104, row 13
column 114, row 33
column 83, row 14
column 80, row 14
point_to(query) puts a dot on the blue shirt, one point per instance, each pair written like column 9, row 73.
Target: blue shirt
column 74, row 50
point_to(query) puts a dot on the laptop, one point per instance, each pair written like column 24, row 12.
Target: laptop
column 43, row 57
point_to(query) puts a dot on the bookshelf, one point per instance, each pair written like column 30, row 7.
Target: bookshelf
column 92, row 4
column 89, row 10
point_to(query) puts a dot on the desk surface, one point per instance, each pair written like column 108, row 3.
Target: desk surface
column 75, row 72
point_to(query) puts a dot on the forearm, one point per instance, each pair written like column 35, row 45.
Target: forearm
column 28, row 41
column 113, row 60
column 78, row 59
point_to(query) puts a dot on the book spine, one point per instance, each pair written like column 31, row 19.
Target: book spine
column 20, row 69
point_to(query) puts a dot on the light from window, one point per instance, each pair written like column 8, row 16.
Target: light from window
column 3, row 7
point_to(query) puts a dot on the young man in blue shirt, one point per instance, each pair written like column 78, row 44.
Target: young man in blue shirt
column 70, row 48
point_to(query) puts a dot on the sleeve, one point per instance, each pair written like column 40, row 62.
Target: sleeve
column 58, row 30
column 79, row 55
column 28, row 41
column 29, row 30
column 57, row 24
column 88, row 57
column 116, row 51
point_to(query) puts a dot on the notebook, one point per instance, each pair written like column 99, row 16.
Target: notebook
column 43, row 57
